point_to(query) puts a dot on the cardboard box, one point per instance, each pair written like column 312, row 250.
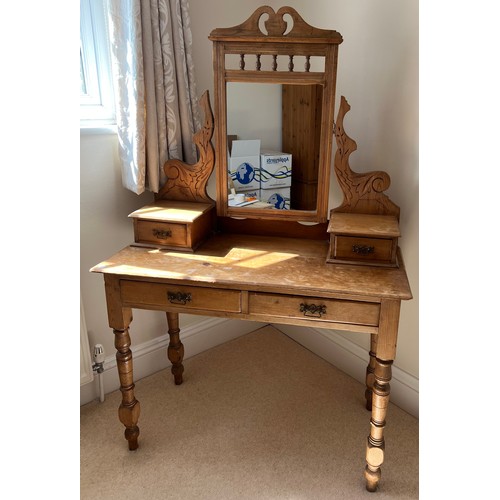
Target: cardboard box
column 275, row 169
column 279, row 198
column 244, row 164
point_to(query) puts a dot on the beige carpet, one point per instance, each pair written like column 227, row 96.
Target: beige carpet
column 259, row 417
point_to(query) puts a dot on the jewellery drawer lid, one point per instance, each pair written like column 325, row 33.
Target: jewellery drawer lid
column 364, row 225
column 172, row 211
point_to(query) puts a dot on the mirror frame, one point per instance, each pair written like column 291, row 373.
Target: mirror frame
column 301, row 40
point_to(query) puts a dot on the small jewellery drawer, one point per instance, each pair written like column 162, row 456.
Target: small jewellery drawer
column 163, row 233
column 363, row 239
column 173, row 224
column 357, row 248
column 160, row 295
column 334, row 310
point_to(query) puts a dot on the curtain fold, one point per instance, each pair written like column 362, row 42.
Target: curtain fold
column 157, row 103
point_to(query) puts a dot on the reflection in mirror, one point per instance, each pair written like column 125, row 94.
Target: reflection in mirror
column 273, row 145
column 254, row 112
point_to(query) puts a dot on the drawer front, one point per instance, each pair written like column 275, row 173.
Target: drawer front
column 161, row 233
column 313, row 308
column 184, row 297
column 358, row 248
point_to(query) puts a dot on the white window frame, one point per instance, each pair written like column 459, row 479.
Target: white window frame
column 96, row 97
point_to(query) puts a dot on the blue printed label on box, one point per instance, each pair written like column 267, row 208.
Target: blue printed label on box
column 279, row 198
column 275, row 169
column 244, row 164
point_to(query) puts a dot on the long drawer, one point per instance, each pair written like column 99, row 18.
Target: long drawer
column 334, row 310
column 185, row 297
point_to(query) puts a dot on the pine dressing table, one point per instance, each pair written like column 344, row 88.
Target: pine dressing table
column 260, row 264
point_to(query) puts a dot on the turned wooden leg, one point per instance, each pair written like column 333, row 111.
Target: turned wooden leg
column 370, row 369
column 380, row 402
column 129, row 409
column 175, row 348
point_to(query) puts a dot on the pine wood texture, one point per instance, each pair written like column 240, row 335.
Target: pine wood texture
column 187, row 182
column 375, row 447
column 276, row 27
column 285, row 275
column 363, row 193
column 363, row 239
column 119, row 320
column 279, row 39
column 300, row 307
column 161, row 296
column 268, row 264
column 173, row 224
column 301, row 126
column 175, row 351
column 364, row 225
column 283, row 228
column 283, row 280
column 183, row 214
column 370, row 371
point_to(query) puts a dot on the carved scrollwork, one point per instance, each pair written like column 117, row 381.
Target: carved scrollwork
column 187, row 182
column 363, row 193
column 276, row 26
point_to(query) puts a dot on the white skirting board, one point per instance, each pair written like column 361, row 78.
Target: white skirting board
column 151, row 357
column 347, row 356
column 353, row 360
column 86, row 372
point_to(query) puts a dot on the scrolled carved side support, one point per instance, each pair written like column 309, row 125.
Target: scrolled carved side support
column 187, row 182
column 363, row 193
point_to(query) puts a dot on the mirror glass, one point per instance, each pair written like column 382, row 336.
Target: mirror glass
column 273, row 145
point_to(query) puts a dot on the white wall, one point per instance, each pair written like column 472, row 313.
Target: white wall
column 378, row 74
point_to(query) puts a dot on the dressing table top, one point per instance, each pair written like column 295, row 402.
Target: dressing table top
column 268, row 263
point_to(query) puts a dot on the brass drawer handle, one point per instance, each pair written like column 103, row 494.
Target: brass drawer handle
column 162, row 234
column 178, row 297
column 362, row 249
column 312, row 310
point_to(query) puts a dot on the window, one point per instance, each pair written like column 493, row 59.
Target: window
column 96, row 90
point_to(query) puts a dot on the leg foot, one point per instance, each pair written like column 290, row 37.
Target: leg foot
column 372, row 479
column 175, row 349
column 132, row 435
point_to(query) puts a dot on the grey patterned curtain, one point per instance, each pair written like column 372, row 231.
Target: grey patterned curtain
column 157, row 105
